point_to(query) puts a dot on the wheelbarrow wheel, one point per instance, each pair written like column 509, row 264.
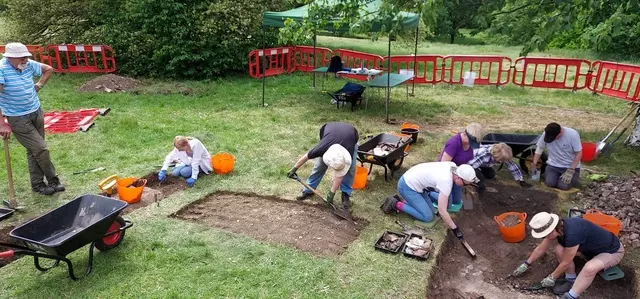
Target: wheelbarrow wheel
column 526, row 161
column 113, row 240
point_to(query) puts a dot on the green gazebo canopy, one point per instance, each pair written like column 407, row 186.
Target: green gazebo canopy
column 277, row 18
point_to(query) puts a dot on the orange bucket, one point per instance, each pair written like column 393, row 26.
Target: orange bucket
column 129, row 194
column 605, row 221
column 360, row 179
column 515, row 233
column 407, row 125
column 588, row 151
column 222, row 163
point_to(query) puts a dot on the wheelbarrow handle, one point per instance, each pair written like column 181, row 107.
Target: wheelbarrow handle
column 7, row 254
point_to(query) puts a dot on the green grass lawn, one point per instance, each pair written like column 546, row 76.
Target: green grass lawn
column 164, row 257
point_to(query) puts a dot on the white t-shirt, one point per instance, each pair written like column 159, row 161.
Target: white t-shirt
column 563, row 150
column 434, row 174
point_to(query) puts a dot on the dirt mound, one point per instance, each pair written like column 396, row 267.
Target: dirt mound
column 306, row 226
column 110, row 83
column 458, row 276
column 618, row 197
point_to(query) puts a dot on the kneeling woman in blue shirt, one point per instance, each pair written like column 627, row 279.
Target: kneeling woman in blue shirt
column 192, row 156
column 574, row 235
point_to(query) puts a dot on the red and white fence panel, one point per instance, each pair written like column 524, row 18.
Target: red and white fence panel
column 616, row 79
column 82, row 58
column 304, row 58
column 277, row 61
column 558, row 73
column 489, row 70
column 427, row 69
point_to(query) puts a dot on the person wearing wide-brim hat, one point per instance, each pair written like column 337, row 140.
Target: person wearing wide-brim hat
column 574, row 235
column 20, row 103
column 337, row 150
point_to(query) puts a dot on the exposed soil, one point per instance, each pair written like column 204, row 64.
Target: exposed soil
column 110, row 83
column 5, row 238
column 458, row 276
column 511, row 221
column 306, row 226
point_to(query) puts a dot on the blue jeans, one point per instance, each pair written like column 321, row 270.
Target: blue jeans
column 319, row 169
column 182, row 170
column 552, row 178
column 417, row 204
column 454, row 198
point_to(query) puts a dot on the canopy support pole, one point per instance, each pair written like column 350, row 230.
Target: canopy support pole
column 388, row 78
column 415, row 61
column 263, row 58
column 315, row 65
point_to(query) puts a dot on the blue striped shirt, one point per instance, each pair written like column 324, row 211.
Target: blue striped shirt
column 19, row 96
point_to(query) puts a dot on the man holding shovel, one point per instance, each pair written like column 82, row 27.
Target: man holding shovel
column 337, row 150
column 19, row 102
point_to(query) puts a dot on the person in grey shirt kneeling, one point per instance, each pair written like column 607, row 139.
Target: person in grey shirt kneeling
column 565, row 151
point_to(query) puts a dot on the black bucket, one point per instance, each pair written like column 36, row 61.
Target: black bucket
column 413, row 132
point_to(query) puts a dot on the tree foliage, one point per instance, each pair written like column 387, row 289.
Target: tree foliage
column 169, row 38
column 601, row 25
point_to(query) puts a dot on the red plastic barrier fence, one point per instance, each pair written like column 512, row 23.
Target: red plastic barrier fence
column 277, row 61
column 82, row 58
column 489, row 70
column 304, row 61
column 39, row 53
column 559, row 73
column 354, row 59
column 616, row 79
column 427, row 68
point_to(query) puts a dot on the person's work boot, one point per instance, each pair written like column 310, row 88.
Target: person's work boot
column 303, row 195
column 56, row 185
column 389, row 205
column 43, row 189
column 346, row 201
column 562, row 287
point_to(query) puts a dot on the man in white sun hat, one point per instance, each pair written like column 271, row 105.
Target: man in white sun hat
column 337, row 150
column 574, row 235
column 416, row 185
column 19, row 102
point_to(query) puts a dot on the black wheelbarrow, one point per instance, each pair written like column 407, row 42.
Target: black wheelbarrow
column 88, row 219
column 349, row 93
column 392, row 159
column 523, row 147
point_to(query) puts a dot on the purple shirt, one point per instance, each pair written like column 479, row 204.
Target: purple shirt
column 453, row 148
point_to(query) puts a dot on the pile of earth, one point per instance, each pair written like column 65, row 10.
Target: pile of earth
column 110, row 83
column 618, row 197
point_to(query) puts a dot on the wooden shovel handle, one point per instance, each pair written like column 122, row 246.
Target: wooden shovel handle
column 309, row 187
column 7, row 159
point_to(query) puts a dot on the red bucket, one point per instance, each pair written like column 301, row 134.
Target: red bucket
column 588, row 151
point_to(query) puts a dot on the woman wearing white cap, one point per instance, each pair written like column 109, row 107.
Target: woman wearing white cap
column 337, row 150
column 413, row 186
column 574, row 235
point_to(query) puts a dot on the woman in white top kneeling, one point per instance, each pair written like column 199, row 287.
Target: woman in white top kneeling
column 192, row 156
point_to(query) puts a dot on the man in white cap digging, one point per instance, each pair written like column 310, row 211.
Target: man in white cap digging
column 415, row 185
column 337, row 150
column 574, row 235
column 19, row 102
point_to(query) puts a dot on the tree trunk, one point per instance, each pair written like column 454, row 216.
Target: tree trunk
column 634, row 138
column 452, row 37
